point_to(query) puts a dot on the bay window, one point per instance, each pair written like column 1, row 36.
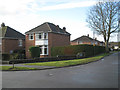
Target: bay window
column 43, row 50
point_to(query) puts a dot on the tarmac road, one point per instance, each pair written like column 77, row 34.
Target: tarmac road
column 100, row 74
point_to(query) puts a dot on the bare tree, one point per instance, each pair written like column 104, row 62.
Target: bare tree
column 103, row 19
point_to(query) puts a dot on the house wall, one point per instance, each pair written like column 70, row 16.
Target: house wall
column 9, row 45
column 73, row 43
column 28, row 43
column 90, row 43
column 53, row 40
column 57, row 40
column 76, row 43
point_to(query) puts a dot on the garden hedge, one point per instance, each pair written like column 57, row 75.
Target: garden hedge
column 89, row 50
column 34, row 51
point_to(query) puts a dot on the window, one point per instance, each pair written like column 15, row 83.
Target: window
column 43, row 50
column 40, row 35
column 80, row 42
column 40, row 49
column 20, row 42
column 96, row 43
column 45, row 36
column 31, row 37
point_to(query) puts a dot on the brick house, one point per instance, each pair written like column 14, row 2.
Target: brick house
column 86, row 40
column 46, row 36
column 10, row 39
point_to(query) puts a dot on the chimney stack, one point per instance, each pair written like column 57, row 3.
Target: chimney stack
column 64, row 28
column 88, row 35
column 3, row 25
column 58, row 26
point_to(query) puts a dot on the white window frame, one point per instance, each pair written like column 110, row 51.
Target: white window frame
column 20, row 42
column 43, row 49
column 30, row 36
column 46, row 35
column 42, row 36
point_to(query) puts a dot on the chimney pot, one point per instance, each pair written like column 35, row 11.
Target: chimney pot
column 64, row 28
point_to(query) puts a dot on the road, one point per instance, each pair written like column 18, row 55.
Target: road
column 100, row 74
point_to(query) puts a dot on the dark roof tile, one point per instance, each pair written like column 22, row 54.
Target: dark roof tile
column 8, row 32
column 48, row 27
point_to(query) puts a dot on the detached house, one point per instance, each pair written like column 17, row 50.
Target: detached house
column 46, row 36
column 10, row 39
column 86, row 40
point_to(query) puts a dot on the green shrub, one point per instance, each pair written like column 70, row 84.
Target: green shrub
column 18, row 54
column 5, row 57
column 35, row 51
column 88, row 50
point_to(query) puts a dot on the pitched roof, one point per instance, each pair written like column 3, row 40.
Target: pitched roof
column 8, row 32
column 48, row 27
column 85, row 39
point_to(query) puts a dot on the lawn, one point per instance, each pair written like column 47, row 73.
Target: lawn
column 69, row 62
column 9, row 68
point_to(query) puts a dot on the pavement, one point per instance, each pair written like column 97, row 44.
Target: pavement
column 100, row 74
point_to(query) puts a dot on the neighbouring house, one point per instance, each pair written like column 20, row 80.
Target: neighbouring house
column 10, row 40
column 46, row 36
column 86, row 40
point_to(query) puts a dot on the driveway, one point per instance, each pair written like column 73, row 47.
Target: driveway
column 100, row 74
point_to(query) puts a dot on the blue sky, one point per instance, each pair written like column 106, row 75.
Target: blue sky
column 24, row 15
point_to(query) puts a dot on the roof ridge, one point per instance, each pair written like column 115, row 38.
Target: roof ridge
column 49, row 26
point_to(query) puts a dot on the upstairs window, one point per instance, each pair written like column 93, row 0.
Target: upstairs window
column 31, row 36
column 45, row 36
column 40, row 35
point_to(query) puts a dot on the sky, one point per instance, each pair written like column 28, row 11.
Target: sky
column 24, row 15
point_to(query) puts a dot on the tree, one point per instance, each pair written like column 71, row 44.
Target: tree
column 103, row 19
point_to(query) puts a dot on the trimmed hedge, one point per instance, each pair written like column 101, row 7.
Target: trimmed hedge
column 89, row 50
column 45, row 59
column 35, row 51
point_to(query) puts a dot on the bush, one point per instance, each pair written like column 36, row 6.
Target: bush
column 88, row 50
column 5, row 57
column 35, row 52
column 18, row 54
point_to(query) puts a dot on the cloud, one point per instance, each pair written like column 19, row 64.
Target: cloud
column 12, row 7
column 69, row 5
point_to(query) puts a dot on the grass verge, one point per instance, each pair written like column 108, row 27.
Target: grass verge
column 9, row 68
column 69, row 62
